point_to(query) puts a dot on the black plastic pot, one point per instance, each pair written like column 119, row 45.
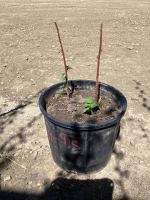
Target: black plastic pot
column 82, row 148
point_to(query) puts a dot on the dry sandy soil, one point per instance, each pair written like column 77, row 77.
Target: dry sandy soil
column 30, row 62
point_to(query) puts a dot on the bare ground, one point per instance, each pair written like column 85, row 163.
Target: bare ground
column 30, row 62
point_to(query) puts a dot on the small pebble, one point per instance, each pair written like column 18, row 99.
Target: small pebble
column 50, row 109
column 56, row 96
column 8, row 178
column 130, row 48
column 132, row 143
column 71, row 108
column 30, row 182
column 144, row 128
column 5, row 65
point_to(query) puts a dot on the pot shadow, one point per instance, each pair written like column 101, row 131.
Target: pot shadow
column 80, row 189
column 66, row 189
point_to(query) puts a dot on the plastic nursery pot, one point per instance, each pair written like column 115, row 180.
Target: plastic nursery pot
column 81, row 148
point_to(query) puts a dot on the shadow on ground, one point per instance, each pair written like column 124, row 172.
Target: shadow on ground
column 8, row 118
column 66, row 189
column 142, row 95
column 70, row 189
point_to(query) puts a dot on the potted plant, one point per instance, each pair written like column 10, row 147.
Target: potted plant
column 82, row 140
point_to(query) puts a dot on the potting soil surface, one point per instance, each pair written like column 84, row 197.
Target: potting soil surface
column 71, row 110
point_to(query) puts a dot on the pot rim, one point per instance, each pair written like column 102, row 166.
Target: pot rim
column 102, row 125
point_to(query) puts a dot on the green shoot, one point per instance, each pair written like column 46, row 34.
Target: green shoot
column 64, row 78
column 60, row 51
column 90, row 105
column 68, row 67
column 62, row 86
column 64, row 75
column 98, row 62
column 5, row 159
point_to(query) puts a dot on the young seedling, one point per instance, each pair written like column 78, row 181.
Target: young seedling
column 64, row 77
column 68, row 67
column 26, row 183
column 98, row 62
column 90, row 105
column 60, row 51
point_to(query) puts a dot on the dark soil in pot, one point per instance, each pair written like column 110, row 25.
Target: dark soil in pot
column 71, row 110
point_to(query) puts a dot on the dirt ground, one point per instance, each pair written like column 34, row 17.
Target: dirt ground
column 30, row 62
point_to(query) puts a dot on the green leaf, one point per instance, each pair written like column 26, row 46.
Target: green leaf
column 60, row 51
column 94, row 105
column 62, row 86
column 6, row 159
column 89, row 100
column 67, row 67
column 87, row 109
column 63, row 74
column 64, row 78
column 88, row 104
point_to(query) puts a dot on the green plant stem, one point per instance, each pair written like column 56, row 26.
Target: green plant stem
column 98, row 62
column 67, row 89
